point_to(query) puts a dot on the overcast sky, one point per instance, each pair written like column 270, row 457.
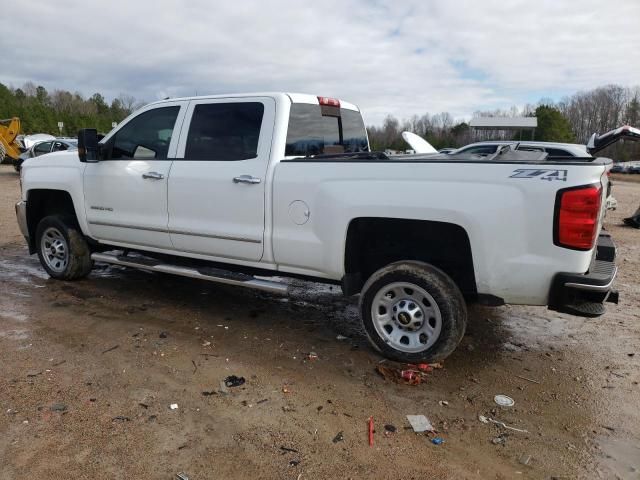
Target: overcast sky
column 398, row 57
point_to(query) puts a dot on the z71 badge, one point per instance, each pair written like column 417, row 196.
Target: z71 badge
column 540, row 173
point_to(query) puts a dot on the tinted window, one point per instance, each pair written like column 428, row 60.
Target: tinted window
column 558, row 152
column 42, row 148
column 528, row 148
column 59, row 146
column 312, row 133
column 224, row 131
column 145, row 137
column 481, row 150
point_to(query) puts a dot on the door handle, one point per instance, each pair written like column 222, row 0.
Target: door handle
column 153, row 175
column 246, row 179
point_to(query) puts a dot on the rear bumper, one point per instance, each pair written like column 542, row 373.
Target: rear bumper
column 584, row 295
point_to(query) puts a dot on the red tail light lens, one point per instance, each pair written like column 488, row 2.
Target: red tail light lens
column 577, row 216
column 329, row 102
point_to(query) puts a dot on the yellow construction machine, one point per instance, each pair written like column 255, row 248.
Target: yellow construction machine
column 9, row 146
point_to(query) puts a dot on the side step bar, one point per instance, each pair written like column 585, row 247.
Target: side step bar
column 210, row 274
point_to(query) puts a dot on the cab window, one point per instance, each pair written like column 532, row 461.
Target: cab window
column 145, row 137
column 42, row 148
column 224, row 131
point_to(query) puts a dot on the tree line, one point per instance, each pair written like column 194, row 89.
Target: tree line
column 40, row 111
column 573, row 119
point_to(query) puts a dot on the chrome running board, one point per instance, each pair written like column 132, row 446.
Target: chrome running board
column 206, row 273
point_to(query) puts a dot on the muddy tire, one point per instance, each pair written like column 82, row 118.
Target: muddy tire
column 413, row 312
column 62, row 249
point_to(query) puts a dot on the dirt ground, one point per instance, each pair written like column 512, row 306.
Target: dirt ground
column 90, row 369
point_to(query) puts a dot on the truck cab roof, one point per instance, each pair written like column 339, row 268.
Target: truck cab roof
column 283, row 96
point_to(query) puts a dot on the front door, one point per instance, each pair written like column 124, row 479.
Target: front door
column 126, row 191
column 217, row 181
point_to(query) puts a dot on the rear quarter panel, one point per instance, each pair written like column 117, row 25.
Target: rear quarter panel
column 507, row 215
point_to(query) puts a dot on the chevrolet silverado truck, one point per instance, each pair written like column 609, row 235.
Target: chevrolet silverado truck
column 247, row 189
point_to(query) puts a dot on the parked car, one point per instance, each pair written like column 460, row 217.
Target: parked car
column 633, row 169
column 447, row 150
column 553, row 149
column 246, row 189
column 29, row 141
column 618, row 168
column 42, row 148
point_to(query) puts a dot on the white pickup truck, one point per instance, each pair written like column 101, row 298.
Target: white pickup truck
column 247, row 189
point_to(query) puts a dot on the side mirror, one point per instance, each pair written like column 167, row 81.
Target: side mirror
column 88, row 149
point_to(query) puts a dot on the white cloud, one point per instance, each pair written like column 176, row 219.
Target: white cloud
column 402, row 58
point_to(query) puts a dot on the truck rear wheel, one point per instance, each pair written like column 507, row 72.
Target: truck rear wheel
column 413, row 312
column 62, row 249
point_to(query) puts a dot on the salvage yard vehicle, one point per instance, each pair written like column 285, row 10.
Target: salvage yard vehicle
column 42, row 148
column 247, row 189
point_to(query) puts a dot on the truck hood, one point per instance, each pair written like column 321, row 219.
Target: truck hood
column 54, row 159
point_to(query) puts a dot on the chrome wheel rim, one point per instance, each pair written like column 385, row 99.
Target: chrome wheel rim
column 54, row 249
column 406, row 317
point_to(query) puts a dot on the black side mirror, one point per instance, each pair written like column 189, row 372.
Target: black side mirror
column 88, row 149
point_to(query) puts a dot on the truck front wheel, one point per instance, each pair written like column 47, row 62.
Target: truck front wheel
column 62, row 249
column 413, row 312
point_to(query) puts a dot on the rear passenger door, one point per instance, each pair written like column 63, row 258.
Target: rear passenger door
column 217, row 182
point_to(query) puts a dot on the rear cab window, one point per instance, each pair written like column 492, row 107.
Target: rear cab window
column 321, row 129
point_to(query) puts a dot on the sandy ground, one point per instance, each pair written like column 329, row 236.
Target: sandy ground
column 90, row 368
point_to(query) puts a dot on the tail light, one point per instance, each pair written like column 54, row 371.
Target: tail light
column 576, row 218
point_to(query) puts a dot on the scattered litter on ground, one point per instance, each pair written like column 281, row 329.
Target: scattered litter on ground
column 223, row 388
column 371, row 431
column 443, row 403
column 285, row 389
column 262, row 401
column 525, row 459
column 390, row 429
column 208, row 393
column 528, row 379
column 504, row 401
column 341, row 337
column 195, row 367
column 499, row 440
column 120, row 418
column 110, row 349
column 294, row 463
column 163, row 335
column 173, row 406
column 339, row 437
column 287, row 449
column 484, row 419
column 182, row 476
column 410, row 377
column 312, row 356
column 420, row 423
column 437, row 440
column 34, row 373
column 58, row 407
column 206, row 343
column 59, row 363
column 143, row 405
column 234, row 381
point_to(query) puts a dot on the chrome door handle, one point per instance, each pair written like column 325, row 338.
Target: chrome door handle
column 246, row 179
column 153, row 175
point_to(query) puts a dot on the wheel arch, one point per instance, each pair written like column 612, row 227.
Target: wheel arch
column 374, row 242
column 44, row 202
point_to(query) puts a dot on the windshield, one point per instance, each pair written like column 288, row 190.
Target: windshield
column 314, row 131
